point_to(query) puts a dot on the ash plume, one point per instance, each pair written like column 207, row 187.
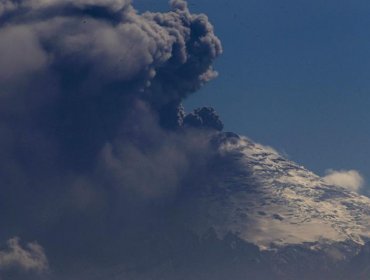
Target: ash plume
column 95, row 144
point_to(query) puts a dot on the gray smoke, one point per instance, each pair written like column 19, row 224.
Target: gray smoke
column 95, row 148
column 205, row 117
column 105, row 47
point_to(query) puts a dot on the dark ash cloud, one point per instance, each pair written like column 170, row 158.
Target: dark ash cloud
column 205, row 117
column 96, row 147
column 105, row 47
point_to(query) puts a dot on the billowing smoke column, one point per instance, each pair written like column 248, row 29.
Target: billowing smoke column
column 92, row 129
column 104, row 49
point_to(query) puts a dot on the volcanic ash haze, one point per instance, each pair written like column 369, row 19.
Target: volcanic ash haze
column 104, row 176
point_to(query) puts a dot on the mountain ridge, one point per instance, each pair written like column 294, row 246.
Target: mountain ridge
column 271, row 201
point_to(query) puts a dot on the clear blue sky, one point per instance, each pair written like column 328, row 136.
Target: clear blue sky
column 295, row 75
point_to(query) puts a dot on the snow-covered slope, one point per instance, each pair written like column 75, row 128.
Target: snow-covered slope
column 254, row 192
column 246, row 212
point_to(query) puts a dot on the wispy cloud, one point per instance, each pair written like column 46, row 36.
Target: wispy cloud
column 30, row 258
column 349, row 179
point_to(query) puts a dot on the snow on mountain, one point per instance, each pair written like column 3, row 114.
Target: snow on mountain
column 265, row 199
column 246, row 212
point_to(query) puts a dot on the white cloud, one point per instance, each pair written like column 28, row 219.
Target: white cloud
column 349, row 179
column 32, row 257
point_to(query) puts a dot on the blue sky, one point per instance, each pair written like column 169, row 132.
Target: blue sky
column 294, row 75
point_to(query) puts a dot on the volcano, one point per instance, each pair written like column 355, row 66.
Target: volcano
column 254, row 214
